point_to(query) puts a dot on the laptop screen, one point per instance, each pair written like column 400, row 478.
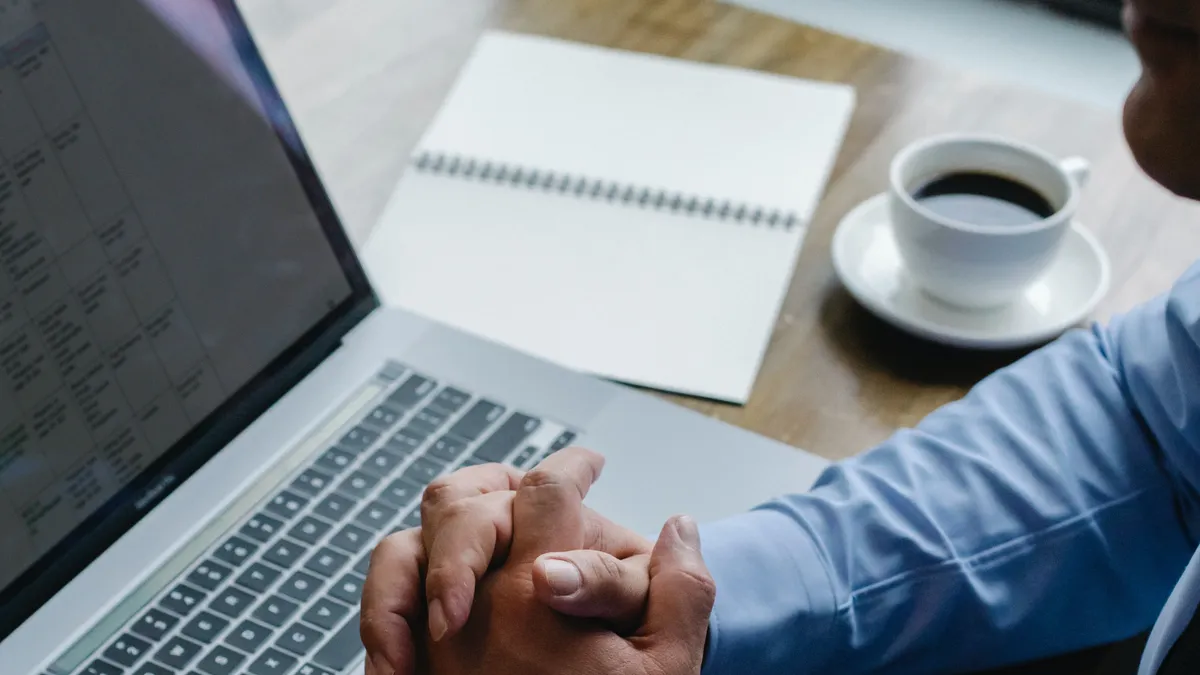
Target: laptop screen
column 169, row 266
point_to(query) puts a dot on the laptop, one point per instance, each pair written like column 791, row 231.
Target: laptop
column 206, row 419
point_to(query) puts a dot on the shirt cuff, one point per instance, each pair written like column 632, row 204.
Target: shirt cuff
column 775, row 605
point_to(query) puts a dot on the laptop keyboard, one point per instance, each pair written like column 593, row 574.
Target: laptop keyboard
column 279, row 593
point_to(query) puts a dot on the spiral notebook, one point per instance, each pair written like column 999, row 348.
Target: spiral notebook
column 630, row 216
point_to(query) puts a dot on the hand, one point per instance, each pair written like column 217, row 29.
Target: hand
column 510, row 632
column 467, row 527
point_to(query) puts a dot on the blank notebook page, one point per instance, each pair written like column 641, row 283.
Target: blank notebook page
column 630, row 216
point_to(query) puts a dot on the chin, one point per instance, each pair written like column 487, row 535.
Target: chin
column 1162, row 131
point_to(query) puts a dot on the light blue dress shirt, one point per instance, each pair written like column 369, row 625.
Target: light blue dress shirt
column 1056, row 507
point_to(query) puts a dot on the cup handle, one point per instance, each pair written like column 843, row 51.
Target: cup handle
column 1077, row 169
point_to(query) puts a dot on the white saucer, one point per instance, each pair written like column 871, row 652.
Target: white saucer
column 869, row 265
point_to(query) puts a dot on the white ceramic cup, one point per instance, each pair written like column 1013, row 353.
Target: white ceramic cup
column 980, row 266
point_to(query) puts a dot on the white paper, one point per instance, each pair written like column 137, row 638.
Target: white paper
column 683, row 303
column 696, row 128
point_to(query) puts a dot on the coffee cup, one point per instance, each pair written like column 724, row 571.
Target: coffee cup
column 978, row 219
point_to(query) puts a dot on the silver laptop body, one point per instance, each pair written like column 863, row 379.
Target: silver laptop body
column 206, row 421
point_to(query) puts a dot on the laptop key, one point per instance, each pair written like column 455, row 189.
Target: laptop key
column 236, row 551
column 285, row 553
column 344, row 647
column 232, row 602
column 182, row 600
column 209, row 574
column 310, row 530
column 154, row 625
column 326, row 562
column 351, row 539
column 564, row 439
column 411, row 392
column 391, row 371
column 358, row 439
column 348, row 589
column 376, row 515
column 205, row 627
column 382, row 418
column 178, row 652
column 423, row 470
column 383, row 462
column 447, row 449
column 127, row 650
column 420, row 432
column 334, row 507
column 428, row 420
column 363, row 565
column 416, row 433
column 262, row 528
column 326, row 613
column 299, row 639
column 258, row 578
column 476, row 420
column 248, row 636
column 287, row 504
column 523, row 458
column 275, row 611
column 272, row 662
column 311, row 482
column 413, row 519
column 507, row 438
column 406, row 441
column 300, row 586
column 400, row 493
column 310, row 669
column 449, row 400
column 335, row 461
column 358, row 485
column 472, row 461
column 99, row 667
column 221, row 661
column 153, row 669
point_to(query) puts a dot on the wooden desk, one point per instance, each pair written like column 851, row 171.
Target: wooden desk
column 364, row 77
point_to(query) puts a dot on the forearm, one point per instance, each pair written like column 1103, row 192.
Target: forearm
column 1036, row 516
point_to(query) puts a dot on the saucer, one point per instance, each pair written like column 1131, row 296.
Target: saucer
column 869, row 265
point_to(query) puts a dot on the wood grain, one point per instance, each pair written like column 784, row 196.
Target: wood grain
column 364, row 77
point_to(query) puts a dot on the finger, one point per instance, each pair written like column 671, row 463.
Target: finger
column 391, row 603
column 448, row 610
column 472, row 535
column 379, row 667
column 594, row 585
column 469, row 482
column 682, row 593
column 548, row 508
column 468, row 536
column 602, row 534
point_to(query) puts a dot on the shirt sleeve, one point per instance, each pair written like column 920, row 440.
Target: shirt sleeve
column 1052, row 509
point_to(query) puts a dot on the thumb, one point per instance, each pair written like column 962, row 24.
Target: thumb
column 682, row 593
column 594, row 584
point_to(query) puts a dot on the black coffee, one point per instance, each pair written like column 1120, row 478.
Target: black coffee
column 984, row 199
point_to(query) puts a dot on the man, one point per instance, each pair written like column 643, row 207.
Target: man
column 1054, row 508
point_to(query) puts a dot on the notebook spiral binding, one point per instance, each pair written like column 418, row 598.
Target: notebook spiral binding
column 594, row 189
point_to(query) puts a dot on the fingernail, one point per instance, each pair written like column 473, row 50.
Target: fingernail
column 380, row 666
column 437, row 621
column 688, row 532
column 564, row 577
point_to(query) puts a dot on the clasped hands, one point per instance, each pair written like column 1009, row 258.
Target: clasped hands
column 510, row 574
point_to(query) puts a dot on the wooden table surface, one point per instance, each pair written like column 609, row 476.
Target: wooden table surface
column 364, row 77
